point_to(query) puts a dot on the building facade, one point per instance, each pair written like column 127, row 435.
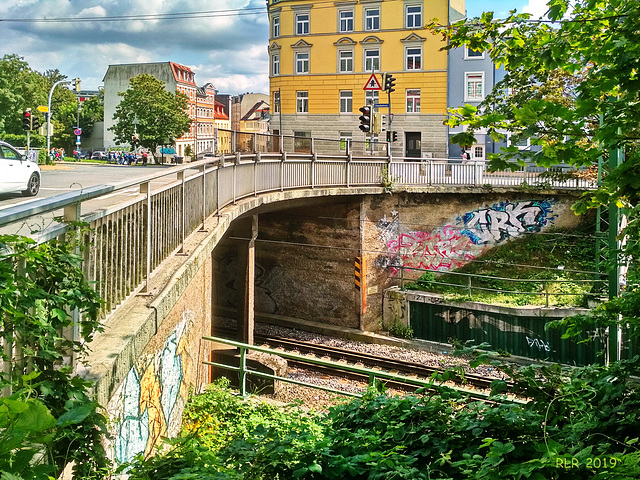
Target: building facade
column 323, row 54
column 177, row 78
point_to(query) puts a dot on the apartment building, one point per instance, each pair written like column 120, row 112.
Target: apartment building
column 177, row 78
column 323, row 53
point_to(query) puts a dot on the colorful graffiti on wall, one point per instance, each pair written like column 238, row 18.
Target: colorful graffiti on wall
column 452, row 245
column 149, row 403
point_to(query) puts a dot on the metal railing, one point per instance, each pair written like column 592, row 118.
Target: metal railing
column 243, row 371
column 468, row 287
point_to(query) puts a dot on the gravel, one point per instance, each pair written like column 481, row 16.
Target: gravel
column 320, row 400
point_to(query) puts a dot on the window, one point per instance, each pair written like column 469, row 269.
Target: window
column 275, row 64
column 474, row 87
column 478, row 151
column 414, row 16
column 414, row 58
column 275, row 30
column 345, row 62
column 371, row 97
column 346, row 20
column 372, row 60
column 346, row 101
column 276, row 102
column 302, row 62
column 413, row 101
column 302, row 24
column 515, row 141
column 471, row 53
column 372, row 19
column 302, row 102
column 345, row 139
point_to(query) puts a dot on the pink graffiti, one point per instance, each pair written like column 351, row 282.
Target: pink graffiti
column 433, row 250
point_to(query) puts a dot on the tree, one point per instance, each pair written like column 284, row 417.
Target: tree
column 572, row 86
column 162, row 116
column 20, row 88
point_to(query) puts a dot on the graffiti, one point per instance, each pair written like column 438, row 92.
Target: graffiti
column 432, row 250
column 539, row 344
column 149, row 403
column 453, row 245
column 505, row 220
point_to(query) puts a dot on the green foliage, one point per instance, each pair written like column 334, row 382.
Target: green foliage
column 388, row 181
column 162, row 116
column 397, row 329
column 50, row 419
column 577, row 424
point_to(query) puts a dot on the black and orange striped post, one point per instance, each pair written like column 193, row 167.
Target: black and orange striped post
column 361, row 280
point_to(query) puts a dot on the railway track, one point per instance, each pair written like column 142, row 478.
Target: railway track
column 405, row 368
column 409, row 369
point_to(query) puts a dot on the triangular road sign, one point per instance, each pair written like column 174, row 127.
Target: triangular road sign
column 372, row 83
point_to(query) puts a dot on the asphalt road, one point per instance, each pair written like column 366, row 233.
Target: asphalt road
column 68, row 177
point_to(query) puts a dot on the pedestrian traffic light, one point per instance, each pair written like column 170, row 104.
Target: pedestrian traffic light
column 366, row 120
column 26, row 119
column 389, row 83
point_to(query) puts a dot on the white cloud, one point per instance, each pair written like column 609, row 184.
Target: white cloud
column 537, row 8
column 220, row 43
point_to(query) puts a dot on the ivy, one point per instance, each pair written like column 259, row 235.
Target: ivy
column 49, row 419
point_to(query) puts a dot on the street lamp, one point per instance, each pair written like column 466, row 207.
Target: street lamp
column 49, row 115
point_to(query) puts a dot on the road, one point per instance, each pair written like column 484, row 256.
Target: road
column 68, row 177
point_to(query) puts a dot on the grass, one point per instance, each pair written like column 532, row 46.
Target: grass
column 547, row 267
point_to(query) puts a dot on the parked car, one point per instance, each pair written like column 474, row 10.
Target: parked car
column 17, row 172
column 99, row 155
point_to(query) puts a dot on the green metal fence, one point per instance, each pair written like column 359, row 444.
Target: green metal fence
column 524, row 336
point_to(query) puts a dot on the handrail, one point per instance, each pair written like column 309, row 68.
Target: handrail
column 243, row 371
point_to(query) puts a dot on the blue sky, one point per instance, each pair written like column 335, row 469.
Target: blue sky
column 227, row 46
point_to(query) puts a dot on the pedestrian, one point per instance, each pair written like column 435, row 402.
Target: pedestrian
column 466, row 156
column 144, row 158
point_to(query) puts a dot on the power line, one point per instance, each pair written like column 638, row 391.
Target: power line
column 146, row 17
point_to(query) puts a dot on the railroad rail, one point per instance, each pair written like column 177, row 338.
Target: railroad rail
column 313, row 351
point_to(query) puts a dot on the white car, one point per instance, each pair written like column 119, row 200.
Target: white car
column 17, row 172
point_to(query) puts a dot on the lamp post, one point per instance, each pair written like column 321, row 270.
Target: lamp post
column 49, row 116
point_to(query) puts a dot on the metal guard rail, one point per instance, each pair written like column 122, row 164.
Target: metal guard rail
column 373, row 375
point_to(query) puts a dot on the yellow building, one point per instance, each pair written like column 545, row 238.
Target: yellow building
column 322, row 54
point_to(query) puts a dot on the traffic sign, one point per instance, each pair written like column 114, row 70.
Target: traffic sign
column 384, row 105
column 372, row 83
column 43, row 108
column 77, row 131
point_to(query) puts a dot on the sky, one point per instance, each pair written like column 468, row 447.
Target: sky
column 223, row 41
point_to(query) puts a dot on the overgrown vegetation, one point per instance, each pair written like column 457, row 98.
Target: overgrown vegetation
column 47, row 417
column 557, row 263
column 579, row 424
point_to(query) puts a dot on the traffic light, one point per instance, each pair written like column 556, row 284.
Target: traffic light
column 135, row 140
column 389, row 83
column 26, row 119
column 392, row 136
column 36, row 122
column 366, row 120
column 384, row 123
